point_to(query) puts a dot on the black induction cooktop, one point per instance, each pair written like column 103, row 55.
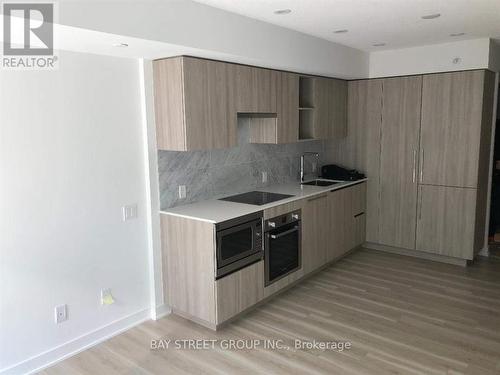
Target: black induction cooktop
column 257, row 198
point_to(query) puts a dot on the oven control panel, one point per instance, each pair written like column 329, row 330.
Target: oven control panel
column 285, row 219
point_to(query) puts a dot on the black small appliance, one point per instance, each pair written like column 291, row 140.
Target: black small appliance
column 334, row 172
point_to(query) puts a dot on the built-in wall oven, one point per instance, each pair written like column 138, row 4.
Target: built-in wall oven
column 282, row 246
column 239, row 243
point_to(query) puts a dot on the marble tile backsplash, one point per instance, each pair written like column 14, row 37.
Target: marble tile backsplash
column 218, row 173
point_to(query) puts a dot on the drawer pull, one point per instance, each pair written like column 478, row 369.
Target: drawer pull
column 316, row 198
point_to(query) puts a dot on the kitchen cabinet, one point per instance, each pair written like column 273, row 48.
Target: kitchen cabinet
column 339, row 204
column 288, row 108
column 194, row 104
column 197, row 102
column 361, row 148
column 256, row 89
column 284, row 128
column 330, row 108
column 315, row 228
column 355, row 216
column 446, row 221
column 239, row 291
column 398, row 161
column 452, row 110
column 337, row 109
column 188, row 248
column 332, row 224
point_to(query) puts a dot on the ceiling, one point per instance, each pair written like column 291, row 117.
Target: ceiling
column 397, row 23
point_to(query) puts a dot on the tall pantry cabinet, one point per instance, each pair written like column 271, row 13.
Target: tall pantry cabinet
column 424, row 142
column 455, row 141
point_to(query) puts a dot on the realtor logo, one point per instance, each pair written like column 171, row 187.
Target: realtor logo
column 28, row 36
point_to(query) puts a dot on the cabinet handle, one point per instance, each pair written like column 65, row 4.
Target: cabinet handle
column 287, row 232
column 420, row 204
column 422, row 166
column 316, row 198
column 414, row 173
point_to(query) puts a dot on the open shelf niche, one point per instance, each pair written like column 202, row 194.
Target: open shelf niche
column 306, row 107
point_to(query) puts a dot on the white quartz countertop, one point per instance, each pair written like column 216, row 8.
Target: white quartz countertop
column 217, row 211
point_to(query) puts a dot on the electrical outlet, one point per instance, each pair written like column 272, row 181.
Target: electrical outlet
column 106, row 297
column 129, row 212
column 264, row 177
column 182, row 191
column 61, row 313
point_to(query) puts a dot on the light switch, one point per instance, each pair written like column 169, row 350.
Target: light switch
column 129, row 212
column 264, row 177
column 182, row 191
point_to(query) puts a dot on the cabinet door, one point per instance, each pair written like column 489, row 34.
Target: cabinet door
column 337, row 109
column 256, row 89
column 446, row 217
column 315, row 227
column 355, row 216
column 239, row 290
column 288, row 108
column 338, row 204
column 451, row 127
column 398, row 161
column 361, row 148
column 209, row 117
column 321, row 101
column 359, row 214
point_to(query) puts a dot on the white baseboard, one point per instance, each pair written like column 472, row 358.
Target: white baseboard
column 484, row 252
column 161, row 311
column 70, row 348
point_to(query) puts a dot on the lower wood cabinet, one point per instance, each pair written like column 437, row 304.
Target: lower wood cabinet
column 446, row 221
column 315, row 229
column 346, row 209
column 332, row 224
column 338, row 204
column 357, row 216
column 239, row 291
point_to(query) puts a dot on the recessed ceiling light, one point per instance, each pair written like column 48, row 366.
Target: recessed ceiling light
column 282, row 11
column 431, row 16
column 457, row 34
column 378, row 44
column 120, row 45
column 341, row 31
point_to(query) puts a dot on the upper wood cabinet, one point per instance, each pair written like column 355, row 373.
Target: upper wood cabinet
column 197, row 102
column 452, row 111
column 284, row 128
column 330, row 108
column 194, row 104
column 256, row 89
column 288, row 108
column 398, row 161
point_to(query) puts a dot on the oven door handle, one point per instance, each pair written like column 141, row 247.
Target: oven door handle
column 294, row 229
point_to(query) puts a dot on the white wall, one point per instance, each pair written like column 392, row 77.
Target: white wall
column 473, row 54
column 71, row 155
column 214, row 31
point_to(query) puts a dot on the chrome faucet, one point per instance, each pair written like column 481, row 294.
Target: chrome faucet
column 315, row 164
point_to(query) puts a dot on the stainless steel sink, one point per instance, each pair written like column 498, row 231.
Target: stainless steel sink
column 320, row 183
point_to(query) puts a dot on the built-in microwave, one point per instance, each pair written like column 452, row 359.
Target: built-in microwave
column 239, row 243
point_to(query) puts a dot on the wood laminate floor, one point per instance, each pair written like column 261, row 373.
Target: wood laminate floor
column 402, row 316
